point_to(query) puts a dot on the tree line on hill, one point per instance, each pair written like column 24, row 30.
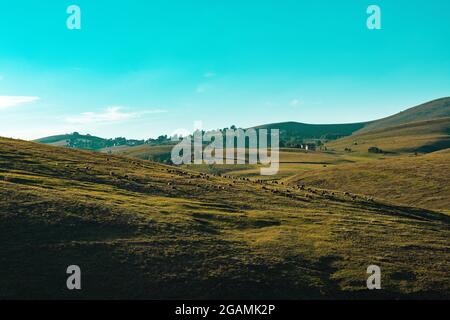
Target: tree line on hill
column 89, row 142
column 78, row 141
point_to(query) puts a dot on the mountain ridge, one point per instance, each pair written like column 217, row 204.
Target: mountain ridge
column 434, row 109
column 292, row 133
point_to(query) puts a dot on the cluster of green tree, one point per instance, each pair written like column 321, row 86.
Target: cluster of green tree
column 288, row 139
column 76, row 140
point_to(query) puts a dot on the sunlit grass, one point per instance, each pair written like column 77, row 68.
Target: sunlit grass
column 139, row 229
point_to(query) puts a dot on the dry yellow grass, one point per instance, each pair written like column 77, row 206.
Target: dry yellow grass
column 139, row 229
column 423, row 136
column 421, row 181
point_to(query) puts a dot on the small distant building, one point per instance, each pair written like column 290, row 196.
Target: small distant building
column 308, row 146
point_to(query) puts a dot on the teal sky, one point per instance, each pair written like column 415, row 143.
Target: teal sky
column 143, row 68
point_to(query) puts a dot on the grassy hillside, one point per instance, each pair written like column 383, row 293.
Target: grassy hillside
column 64, row 139
column 139, row 229
column 411, row 180
column 159, row 153
column 424, row 136
column 436, row 109
column 292, row 161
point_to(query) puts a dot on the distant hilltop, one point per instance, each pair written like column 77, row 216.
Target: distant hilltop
column 89, row 142
column 292, row 134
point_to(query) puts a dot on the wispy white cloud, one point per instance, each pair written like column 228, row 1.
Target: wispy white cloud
column 13, row 101
column 111, row 114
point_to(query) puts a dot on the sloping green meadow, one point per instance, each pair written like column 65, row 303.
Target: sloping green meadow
column 142, row 230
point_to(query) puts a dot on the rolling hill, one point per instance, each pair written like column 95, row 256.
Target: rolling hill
column 299, row 130
column 139, row 229
column 291, row 133
column 422, row 136
column 87, row 142
column 159, row 153
column 420, row 181
column 63, row 140
column 436, row 109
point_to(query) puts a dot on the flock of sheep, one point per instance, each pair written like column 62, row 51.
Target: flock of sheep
column 273, row 186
